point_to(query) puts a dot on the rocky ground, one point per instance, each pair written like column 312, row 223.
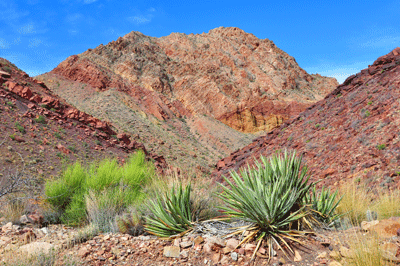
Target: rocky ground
column 322, row 247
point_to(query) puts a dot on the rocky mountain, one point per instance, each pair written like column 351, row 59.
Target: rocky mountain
column 40, row 132
column 192, row 98
column 352, row 134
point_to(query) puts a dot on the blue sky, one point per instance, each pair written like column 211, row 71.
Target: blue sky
column 332, row 38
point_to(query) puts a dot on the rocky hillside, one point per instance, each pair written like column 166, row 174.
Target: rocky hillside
column 177, row 93
column 40, row 132
column 351, row 134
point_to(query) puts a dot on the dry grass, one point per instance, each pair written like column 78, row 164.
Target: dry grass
column 358, row 199
column 350, row 206
column 387, row 205
column 39, row 259
column 366, row 250
column 12, row 208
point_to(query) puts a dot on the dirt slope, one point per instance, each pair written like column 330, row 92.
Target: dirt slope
column 351, row 134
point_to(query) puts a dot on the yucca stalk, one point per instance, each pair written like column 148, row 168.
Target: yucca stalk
column 270, row 196
column 172, row 213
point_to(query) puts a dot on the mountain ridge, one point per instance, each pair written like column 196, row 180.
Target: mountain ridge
column 352, row 134
column 199, row 83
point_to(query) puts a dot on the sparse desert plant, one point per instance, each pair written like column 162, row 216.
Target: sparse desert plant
column 352, row 195
column 20, row 128
column 132, row 222
column 381, row 146
column 36, row 259
column 387, row 204
column 40, row 119
column 366, row 250
column 269, row 196
column 12, row 180
column 13, row 208
column 84, row 234
column 96, row 190
column 102, row 210
column 172, row 213
column 324, row 204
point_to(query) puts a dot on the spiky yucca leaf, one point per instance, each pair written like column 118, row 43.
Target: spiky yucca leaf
column 324, row 204
column 172, row 213
column 270, row 196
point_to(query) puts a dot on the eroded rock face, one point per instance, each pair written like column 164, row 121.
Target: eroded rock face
column 352, row 133
column 245, row 82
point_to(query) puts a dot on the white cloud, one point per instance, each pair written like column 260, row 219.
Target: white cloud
column 3, row 44
column 140, row 19
column 35, row 42
column 17, row 40
column 27, row 29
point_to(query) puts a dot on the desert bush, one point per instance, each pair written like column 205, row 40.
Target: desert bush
column 350, row 208
column 387, row 204
column 12, row 180
column 366, row 250
column 172, row 213
column 13, row 207
column 101, row 189
column 37, row 259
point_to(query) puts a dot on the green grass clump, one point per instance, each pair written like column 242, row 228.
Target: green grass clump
column 87, row 195
column 20, row 128
column 40, row 119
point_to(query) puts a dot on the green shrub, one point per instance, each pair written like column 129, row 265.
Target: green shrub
column 40, row 119
column 381, row 146
column 57, row 135
column 172, row 213
column 20, row 128
column 79, row 192
column 7, row 69
column 269, row 196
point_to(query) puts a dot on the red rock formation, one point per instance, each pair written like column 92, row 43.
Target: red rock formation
column 352, row 133
column 39, row 100
column 245, row 82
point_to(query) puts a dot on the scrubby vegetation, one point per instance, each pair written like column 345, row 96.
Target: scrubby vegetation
column 100, row 192
column 275, row 197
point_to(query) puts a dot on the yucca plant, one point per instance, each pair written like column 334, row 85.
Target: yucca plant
column 270, row 196
column 323, row 204
column 172, row 213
